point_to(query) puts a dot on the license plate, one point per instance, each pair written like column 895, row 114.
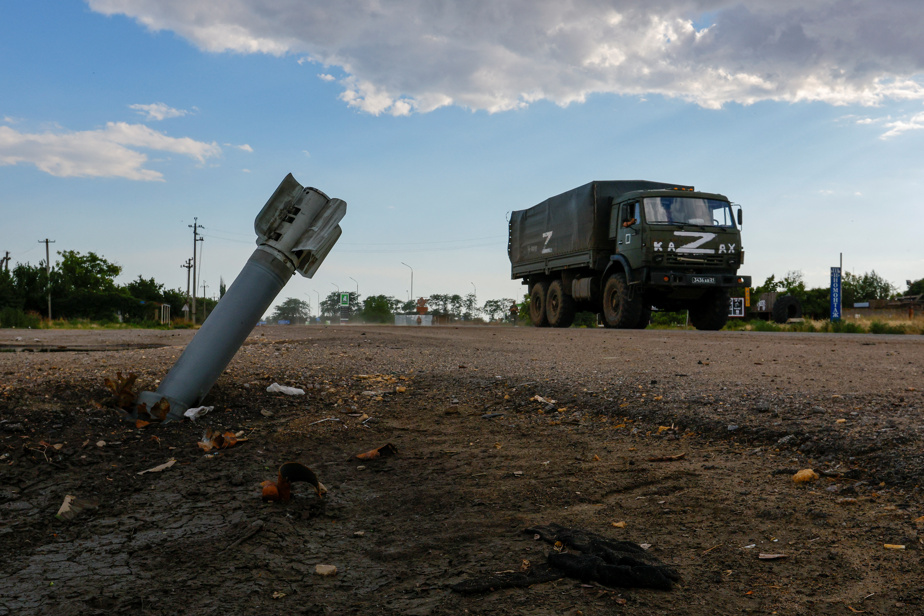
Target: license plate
column 703, row 279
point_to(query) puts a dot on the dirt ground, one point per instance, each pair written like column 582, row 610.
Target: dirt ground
column 685, row 442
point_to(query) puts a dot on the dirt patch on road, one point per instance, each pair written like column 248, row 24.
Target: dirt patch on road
column 684, row 442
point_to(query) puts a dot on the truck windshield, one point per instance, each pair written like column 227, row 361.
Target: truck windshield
column 688, row 210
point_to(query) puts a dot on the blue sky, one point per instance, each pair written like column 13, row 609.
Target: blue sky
column 122, row 120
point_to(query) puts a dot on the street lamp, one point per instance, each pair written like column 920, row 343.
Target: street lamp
column 357, row 286
column 412, row 277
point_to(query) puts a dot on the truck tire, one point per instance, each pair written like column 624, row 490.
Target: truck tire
column 559, row 306
column 710, row 312
column 786, row 307
column 537, row 297
column 621, row 307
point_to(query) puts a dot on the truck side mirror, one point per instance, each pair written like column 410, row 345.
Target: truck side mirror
column 739, row 217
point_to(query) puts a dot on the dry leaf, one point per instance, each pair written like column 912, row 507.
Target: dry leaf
column 382, row 452
column 72, row 506
column 122, row 395
column 159, row 468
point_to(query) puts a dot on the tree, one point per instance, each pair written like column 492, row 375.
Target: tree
column 439, row 304
column 869, row 286
column 145, row 293
column 379, row 309
column 83, row 286
column 292, row 309
column 916, row 287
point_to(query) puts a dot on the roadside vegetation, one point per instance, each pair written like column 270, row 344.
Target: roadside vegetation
column 85, row 295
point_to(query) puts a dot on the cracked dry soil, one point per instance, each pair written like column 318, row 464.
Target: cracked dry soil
column 685, row 441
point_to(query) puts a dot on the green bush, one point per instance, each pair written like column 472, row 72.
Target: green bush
column 585, row 319
column 843, row 327
column 669, row 319
column 878, row 327
column 14, row 317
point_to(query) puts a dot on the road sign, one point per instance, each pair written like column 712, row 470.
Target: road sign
column 344, row 299
column 835, row 294
column 736, row 306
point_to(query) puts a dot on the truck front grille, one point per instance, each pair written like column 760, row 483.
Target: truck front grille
column 681, row 260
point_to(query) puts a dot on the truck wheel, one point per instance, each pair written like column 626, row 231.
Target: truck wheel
column 711, row 311
column 559, row 308
column 621, row 307
column 786, row 307
column 537, row 297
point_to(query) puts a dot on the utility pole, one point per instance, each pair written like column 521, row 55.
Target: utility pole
column 5, row 262
column 195, row 227
column 47, row 271
column 411, row 296
column 188, row 265
column 205, row 304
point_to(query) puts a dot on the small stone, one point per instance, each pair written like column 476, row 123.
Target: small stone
column 325, row 570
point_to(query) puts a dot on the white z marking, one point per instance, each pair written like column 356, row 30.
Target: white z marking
column 547, row 235
column 694, row 247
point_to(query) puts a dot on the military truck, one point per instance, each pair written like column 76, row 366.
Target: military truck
column 622, row 248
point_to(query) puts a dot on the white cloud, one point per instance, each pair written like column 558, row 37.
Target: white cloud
column 326, row 77
column 109, row 152
column 407, row 56
column 244, row 147
column 915, row 122
column 158, row 111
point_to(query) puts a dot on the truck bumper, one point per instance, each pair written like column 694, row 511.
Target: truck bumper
column 672, row 278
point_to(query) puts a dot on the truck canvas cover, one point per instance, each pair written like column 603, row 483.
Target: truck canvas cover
column 572, row 222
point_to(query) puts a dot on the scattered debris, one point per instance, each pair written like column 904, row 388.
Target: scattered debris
column 805, row 476
column 382, row 452
column 323, row 420
column 123, row 395
column 197, row 412
column 674, row 458
column 276, row 388
column 619, row 524
column 213, row 439
column 893, row 546
column 595, row 559
column 73, row 506
column 771, row 556
column 542, row 400
column 325, row 570
column 159, row 468
column 289, row 473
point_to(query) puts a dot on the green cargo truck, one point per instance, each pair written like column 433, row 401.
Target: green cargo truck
column 621, row 248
